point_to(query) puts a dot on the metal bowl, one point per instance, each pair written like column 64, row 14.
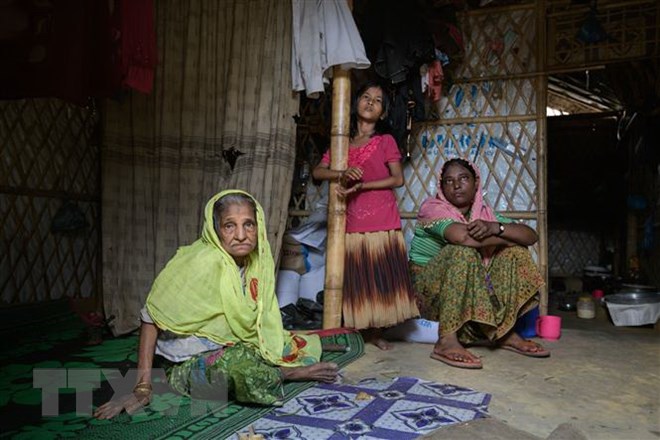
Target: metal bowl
column 637, row 288
column 633, row 298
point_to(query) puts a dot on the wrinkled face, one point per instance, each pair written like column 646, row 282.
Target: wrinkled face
column 459, row 186
column 370, row 104
column 237, row 230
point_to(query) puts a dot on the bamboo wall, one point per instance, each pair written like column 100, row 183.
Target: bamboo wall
column 493, row 115
column 569, row 252
column 49, row 155
column 631, row 37
column 495, row 111
column 632, row 31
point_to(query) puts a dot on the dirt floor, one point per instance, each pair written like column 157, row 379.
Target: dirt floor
column 602, row 380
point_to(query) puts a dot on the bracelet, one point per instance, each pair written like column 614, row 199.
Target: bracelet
column 142, row 391
column 142, row 386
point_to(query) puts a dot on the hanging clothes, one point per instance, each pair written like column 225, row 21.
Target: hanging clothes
column 324, row 35
column 61, row 49
column 138, row 44
column 397, row 40
column 435, row 77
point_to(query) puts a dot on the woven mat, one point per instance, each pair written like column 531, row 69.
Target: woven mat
column 401, row 408
column 59, row 344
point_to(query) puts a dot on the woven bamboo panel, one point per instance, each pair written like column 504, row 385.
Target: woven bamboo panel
column 499, row 42
column 312, row 140
column 570, row 251
column 504, row 152
column 632, row 31
column 492, row 122
column 49, row 156
column 511, row 97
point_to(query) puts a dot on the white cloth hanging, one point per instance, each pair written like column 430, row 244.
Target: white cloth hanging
column 324, row 35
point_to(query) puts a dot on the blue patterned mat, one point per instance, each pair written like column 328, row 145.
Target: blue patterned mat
column 401, row 408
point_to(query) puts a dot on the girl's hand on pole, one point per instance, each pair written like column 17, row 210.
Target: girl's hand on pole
column 351, row 174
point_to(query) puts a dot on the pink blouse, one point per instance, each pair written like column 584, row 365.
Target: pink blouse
column 372, row 210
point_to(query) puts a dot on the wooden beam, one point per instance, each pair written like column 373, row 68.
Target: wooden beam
column 47, row 193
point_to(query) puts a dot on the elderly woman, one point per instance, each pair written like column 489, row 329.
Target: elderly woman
column 472, row 269
column 213, row 315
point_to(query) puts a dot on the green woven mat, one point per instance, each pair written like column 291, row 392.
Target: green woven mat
column 168, row 416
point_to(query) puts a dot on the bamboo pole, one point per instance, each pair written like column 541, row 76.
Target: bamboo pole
column 477, row 120
column 541, row 139
column 517, row 215
column 334, row 260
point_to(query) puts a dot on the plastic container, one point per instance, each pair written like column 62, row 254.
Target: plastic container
column 312, row 283
column 634, row 308
column 526, row 324
column 288, row 285
column 586, row 308
column 599, row 298
column 414, row 330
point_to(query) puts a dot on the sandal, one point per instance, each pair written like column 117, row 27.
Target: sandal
column 539, row 353
column 456, row 363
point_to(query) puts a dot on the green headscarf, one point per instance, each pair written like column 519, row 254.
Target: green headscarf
column 200, row 292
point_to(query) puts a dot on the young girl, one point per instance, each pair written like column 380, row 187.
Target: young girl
column 377, row 290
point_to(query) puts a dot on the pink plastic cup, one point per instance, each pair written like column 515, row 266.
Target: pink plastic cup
column 548, row 327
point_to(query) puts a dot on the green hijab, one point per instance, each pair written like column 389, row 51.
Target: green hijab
column 200, row 292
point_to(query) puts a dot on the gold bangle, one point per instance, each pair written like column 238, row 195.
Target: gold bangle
column 142, row 386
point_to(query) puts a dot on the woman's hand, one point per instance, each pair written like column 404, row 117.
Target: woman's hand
column 481, row 229
column 138, row 399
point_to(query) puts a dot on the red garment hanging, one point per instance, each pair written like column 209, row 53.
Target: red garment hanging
column 138, row 44
column 435, row 77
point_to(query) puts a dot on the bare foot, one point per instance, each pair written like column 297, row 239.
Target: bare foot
column 382, row 344
column 375, row 336
column 321, row 371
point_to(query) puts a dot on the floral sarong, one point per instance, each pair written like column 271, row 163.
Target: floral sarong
column 472, row 300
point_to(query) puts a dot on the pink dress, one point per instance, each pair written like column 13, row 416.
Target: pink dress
column 377, row 291
column 372, row 210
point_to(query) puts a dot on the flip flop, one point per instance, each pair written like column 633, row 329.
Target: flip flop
column 457, row 364
column 543, row 353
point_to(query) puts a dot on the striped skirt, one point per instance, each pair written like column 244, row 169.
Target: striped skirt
column 377, row 287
